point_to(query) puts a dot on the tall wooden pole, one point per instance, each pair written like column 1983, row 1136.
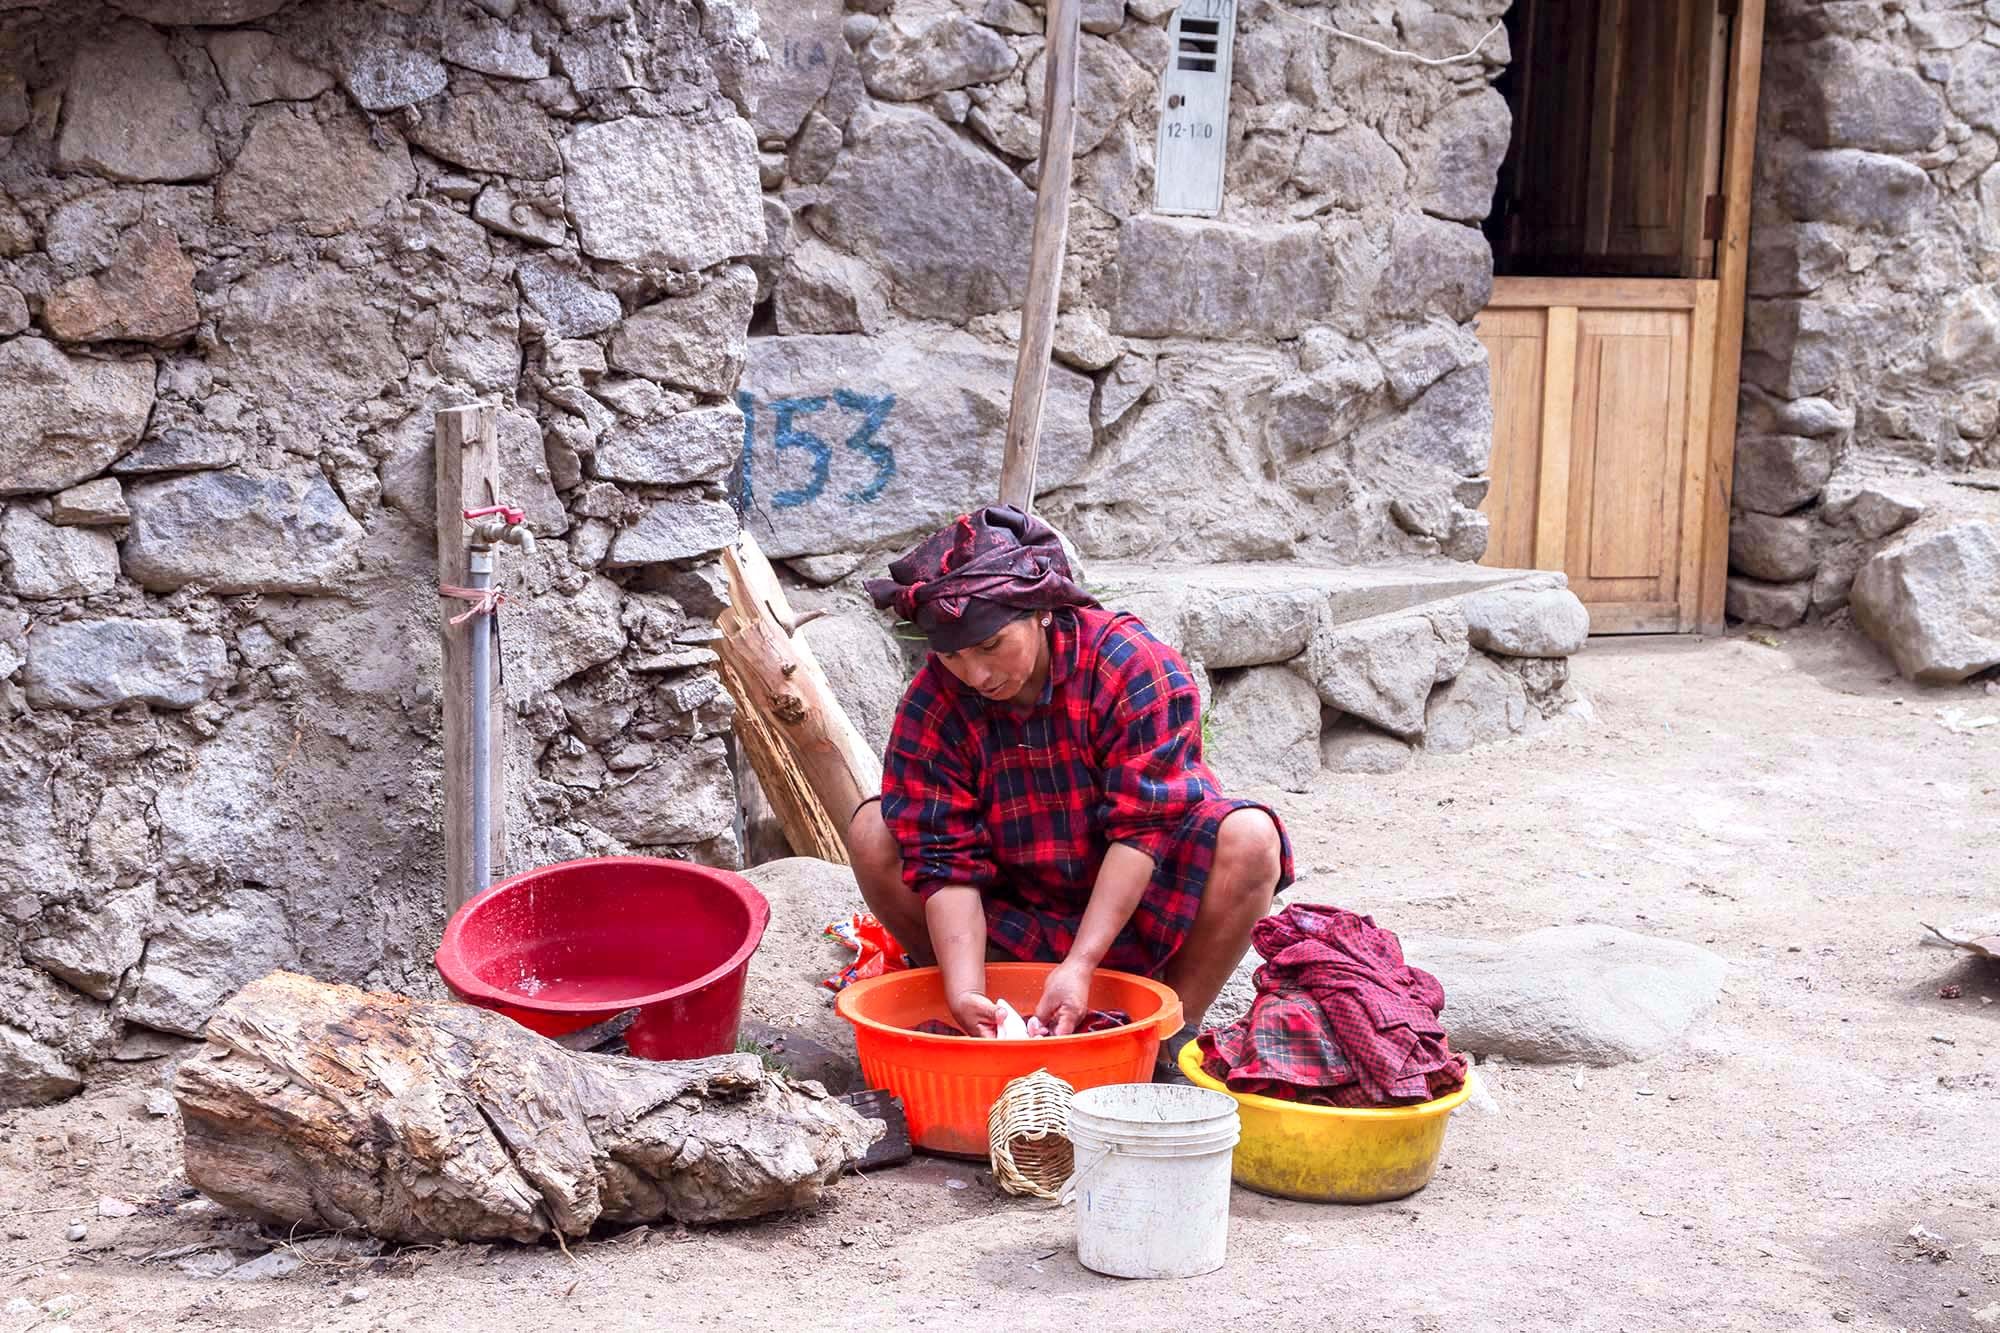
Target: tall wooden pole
column 1045, row 256
column 468, row 471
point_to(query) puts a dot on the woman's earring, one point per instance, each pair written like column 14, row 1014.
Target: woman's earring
column 1046, row 620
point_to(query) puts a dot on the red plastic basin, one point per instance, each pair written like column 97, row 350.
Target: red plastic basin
column 560, row 948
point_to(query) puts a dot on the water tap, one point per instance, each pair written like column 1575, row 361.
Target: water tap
column 500, row 523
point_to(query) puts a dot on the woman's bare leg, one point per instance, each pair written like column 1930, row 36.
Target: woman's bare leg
column 1242, row 883
column 878, row 866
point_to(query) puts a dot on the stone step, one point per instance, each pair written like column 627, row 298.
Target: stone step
column 1231, row 615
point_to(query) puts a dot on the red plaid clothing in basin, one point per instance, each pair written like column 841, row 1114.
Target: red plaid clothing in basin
column 1339, row 1019
column 1022, row 806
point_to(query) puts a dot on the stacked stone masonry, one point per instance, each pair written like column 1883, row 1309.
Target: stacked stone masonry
column 1296, row 379
column 246, row 251
column 1871, row 371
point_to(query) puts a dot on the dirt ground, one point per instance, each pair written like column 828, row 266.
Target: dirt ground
column 1795, row 807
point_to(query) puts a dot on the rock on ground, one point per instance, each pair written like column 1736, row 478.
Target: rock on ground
column 1778, row 605
column 1263, row 729
column 1592, row 994
column 1932, row 599
column 31, row 1072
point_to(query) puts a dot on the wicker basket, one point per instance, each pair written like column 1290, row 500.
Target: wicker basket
column 1027, row 1134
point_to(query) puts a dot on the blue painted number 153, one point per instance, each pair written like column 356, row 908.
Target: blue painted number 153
column 787, row 433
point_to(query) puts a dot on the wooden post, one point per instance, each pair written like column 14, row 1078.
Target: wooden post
column 814, row 765
column 1045, row 257
column 468, row 468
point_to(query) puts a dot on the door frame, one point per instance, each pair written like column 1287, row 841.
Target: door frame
column 1739, row 154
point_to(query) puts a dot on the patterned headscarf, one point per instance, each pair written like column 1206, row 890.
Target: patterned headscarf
column 964, row 582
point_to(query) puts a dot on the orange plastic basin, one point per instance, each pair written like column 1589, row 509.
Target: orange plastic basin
column 948, row 1084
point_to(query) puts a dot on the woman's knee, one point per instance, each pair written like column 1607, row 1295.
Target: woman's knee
column 1248, row 847
column 872, row 848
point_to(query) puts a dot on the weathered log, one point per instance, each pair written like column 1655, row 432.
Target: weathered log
column 328, row 1107
column 811, row 760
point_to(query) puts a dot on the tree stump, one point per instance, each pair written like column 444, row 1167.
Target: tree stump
column 332, row 1108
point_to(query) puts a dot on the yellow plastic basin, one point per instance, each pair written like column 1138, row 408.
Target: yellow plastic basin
column 1332, row 1154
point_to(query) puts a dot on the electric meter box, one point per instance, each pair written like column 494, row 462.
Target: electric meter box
column 1194, row 109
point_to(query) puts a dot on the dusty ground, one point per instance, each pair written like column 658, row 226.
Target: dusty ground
column 1796, row 808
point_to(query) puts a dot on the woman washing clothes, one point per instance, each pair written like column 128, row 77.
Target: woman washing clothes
column 1044, row 797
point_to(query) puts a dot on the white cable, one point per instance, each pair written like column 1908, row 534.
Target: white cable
column 1373, row 45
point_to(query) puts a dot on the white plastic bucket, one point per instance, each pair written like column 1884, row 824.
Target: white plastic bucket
column 1152, row 1178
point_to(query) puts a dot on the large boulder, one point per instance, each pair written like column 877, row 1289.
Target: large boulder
column 1382, row 668
column 1527, row 622
column 1262, row 730
column 488, row 132
column 664, row 192
column 67, row 417
column 864, row 666
column 1778, row 605
column 1854, row 103
column 1775, row 549
column 233, row 533
column 1858, row 189
column 1460, row 170
column 93, row 950
column 1932, row 599
column 803, row 37
column 1776, row 474
column 198, row 958
column 89, row 664
column 1591, row 994
column 128, row 114
column 31, row 1071
column 950, row 223
column 857, row 442
column 907, row 60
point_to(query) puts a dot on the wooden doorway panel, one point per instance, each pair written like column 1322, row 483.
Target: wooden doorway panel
column 1600, row 452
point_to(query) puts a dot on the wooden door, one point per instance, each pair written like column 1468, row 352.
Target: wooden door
column 1601, row 460
column 1615, row 161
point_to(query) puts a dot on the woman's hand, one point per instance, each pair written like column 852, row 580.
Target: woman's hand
column 1065, row 997
column 975, row 1015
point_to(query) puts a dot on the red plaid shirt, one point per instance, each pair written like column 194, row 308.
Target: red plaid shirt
column 1023, row 805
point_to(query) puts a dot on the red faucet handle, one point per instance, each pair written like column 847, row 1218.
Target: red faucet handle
column 508, row 512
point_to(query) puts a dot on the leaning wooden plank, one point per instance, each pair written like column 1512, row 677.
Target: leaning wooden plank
column 328, row 1107
column 782, row 695
column 1046, row 242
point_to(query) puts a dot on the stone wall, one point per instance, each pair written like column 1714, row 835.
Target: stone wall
column 1296, row 378
column 1871, row 366
column 247, row 248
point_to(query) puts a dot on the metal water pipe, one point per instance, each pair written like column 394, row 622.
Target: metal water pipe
column 486, row 527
